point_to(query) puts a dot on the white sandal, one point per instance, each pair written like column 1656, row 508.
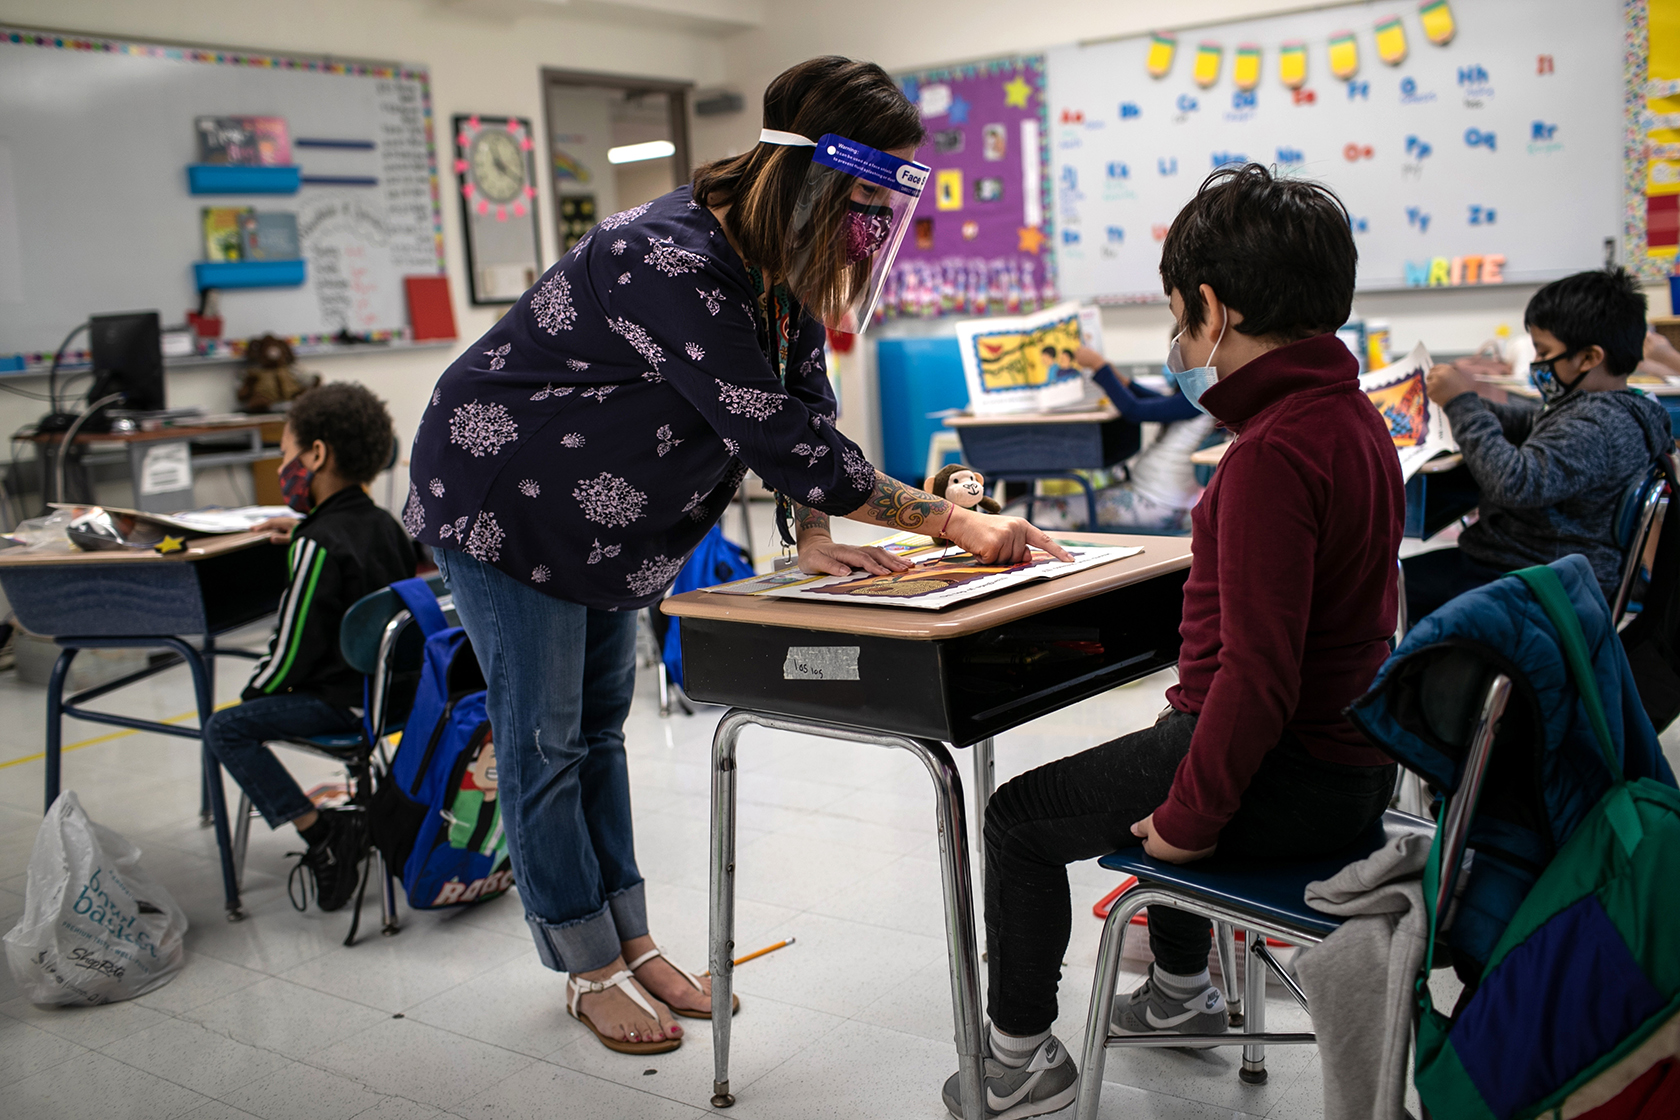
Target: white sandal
column 576, row 989
column 656, row 951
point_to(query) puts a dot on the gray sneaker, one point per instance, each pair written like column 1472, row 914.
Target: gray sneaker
column 1149, row 1010
column 1047, row 1083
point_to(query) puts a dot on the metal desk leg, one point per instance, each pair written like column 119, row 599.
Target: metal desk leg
column 1253, row 1069
column 950, row 814
column 985, row 784
column 55, row 723
column 202, row 687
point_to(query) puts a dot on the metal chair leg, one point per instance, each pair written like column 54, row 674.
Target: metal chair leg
column 1225, row 940
column 664, row 691
column 387, row 897
column 241, row 838
column 1102, row 1004
column 1253, row 1069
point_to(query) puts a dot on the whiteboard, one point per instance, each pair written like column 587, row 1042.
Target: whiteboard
column 95, row 139
column 1404, row 146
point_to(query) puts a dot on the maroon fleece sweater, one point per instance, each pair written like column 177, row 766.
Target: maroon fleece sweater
column 1292, row 590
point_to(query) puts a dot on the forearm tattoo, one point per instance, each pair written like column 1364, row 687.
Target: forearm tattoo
column 806, row 518
column 894, row 503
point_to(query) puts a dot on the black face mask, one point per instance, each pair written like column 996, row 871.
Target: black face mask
column 1552, row 388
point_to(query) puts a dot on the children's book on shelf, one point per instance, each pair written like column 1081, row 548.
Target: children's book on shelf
column 249, row 141
column 1417, row 424
column 266, row 235
column 940, row 577
column 222, row 232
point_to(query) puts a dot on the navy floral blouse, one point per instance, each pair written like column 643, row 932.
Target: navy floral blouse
column 586, row 444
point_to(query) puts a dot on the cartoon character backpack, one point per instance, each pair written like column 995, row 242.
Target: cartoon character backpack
column 435, row 815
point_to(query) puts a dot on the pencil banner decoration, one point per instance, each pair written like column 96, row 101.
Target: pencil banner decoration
column 1391, row 41
column 1245, row 68
column 1292, row 65
column 1344, row 55
column 1208, row 58
column 1161, row 51
column 1438, row 25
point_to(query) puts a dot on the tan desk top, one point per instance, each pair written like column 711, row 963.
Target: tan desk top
column 1160, row 556
column 196, row 549
column 1093, row 416
column 1210, row 456
column 179, row 432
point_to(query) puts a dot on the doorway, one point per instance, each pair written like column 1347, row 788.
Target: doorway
column 613, row 143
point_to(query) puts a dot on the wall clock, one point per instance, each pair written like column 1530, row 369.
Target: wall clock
column 497, row 171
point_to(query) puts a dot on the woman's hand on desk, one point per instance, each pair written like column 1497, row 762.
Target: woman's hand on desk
column 1157, row 848
column 820, row 556
column 279, row 529
column 995, row 539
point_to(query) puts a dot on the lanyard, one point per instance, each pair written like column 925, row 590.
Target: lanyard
column 775, row 338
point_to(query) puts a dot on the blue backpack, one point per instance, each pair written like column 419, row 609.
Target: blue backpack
column 435, row 815
column 716, row 559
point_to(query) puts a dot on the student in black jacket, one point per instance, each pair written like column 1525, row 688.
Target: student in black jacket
column 337, row 438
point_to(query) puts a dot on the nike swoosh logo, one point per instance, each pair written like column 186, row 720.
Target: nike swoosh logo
column 996, row 1103
column 1170, row 1021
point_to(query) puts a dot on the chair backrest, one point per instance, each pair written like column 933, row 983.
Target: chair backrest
column 1637, row 517
column 379, row 640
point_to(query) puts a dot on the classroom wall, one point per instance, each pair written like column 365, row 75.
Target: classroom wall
column 484, row 56
column 928, row 33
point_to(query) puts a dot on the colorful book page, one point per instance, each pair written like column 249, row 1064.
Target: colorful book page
column 1417, row 424
column 945, row 579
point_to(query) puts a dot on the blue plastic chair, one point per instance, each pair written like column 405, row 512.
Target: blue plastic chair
column 377, row 641
column 1266, row 901
column 1638, row 516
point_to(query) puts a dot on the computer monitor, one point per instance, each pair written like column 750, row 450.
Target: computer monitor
column 127, row 358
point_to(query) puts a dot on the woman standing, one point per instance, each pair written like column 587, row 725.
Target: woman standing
column 574, row 455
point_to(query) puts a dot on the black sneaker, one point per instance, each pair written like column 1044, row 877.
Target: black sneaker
column 1047, row 1083
column 332, row 867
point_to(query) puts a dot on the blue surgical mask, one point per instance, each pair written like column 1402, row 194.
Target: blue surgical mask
column 1194, row 382
column 1543, row 376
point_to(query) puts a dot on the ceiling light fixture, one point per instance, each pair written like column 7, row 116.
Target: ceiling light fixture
column 635, row 153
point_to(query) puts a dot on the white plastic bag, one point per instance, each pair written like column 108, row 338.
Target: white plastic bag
column 95, row 928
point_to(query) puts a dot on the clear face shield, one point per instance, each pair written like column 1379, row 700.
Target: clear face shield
column 847, row 226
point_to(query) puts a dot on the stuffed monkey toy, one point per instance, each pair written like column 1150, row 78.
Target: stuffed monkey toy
column 961, row 486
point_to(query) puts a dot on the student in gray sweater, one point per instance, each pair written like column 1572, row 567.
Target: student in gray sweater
column 1551, row 474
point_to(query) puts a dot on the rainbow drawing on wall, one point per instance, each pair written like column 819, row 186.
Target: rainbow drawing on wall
column 1161, row 51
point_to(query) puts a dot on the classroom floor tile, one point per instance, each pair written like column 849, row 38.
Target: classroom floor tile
column 273, row 1017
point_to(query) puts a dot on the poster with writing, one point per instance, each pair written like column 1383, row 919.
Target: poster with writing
column 980, row 242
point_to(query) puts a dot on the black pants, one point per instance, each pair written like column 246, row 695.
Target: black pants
column 1084, row 806
column 1432, row 578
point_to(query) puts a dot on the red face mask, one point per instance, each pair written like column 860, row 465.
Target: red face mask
column 294, row 484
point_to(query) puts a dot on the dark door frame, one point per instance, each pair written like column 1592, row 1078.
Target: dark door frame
column 677, row 93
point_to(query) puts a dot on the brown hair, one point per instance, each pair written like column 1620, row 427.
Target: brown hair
column 762, row 186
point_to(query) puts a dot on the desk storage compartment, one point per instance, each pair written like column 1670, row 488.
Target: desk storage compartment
column 955, row 690
column 1434, row 501
column 1000, row 448
column 1003, row 677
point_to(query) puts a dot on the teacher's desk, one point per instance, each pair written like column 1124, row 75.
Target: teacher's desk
column 921, row 681
column 147, row 600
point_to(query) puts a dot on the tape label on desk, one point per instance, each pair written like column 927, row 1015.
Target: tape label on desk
column 821, row 663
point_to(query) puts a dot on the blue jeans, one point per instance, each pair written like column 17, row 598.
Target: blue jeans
column 236, row 735
column 561, row 677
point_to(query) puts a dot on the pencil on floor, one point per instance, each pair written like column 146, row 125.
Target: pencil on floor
column 759, row 953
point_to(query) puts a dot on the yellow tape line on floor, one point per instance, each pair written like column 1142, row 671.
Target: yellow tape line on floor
column 97, row 739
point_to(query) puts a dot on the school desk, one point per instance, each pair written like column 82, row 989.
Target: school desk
column 162, row 463
column 1439, row 493
column 147, row 600
column 925, row 682
column 1031, row 446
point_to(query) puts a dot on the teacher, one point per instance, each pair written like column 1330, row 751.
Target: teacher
column 572, row 458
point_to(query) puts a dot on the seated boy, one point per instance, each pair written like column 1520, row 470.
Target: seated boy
column 1289, row 603
column 1551, row 474
column 337, row 438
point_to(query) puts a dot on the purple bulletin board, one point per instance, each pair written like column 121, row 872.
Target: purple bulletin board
column 980, row 242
